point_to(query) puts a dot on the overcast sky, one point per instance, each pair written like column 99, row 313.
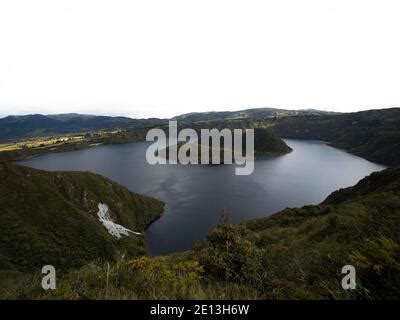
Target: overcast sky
column 162, row 58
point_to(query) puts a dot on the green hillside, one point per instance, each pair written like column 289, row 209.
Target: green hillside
column 294, row 254
column 268, row 143
column 51, row 218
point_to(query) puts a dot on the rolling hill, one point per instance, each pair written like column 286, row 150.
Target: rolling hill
column 256, row 113
column 37, row 125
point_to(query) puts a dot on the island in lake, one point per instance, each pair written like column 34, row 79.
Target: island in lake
column 266, row 143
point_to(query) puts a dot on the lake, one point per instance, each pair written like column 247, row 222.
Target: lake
column 195, row 194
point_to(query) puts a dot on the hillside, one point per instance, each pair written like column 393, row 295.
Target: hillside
column 268, row 143
column 373, row 134
column 295, row 254
column 37, row 125
column 357, row 225
column 52, row 218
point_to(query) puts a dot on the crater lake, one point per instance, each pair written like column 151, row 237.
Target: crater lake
column 196, row 194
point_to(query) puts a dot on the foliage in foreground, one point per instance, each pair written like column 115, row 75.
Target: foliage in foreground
column 294, row 254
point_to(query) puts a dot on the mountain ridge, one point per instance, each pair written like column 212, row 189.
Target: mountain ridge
column 39, row 125
column 255, row 113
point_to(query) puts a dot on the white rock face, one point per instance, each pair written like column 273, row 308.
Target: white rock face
column 116, row 230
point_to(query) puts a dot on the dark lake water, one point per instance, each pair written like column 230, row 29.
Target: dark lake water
column 194, row 195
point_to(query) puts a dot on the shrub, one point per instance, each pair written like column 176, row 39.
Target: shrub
column 378, row 266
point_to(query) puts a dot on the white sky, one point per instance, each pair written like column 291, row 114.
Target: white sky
column 163, row 58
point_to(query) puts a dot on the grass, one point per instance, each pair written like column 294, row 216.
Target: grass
column 40, row 142
column 51, row 218
column 295, row 254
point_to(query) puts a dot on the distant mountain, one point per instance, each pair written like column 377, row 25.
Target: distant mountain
column 36, row 125
column 257, row 113
column 70, row 116
column 53, row 218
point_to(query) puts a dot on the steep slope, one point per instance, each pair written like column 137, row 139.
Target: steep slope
column 299, row 253
column 295, row 254
column 52, row 218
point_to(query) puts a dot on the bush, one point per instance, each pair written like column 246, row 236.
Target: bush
column 228, row 256
column 159, row 277
column 378, row 266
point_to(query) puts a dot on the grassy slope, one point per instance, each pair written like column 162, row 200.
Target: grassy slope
column 51, row 218
column 305, row 248
column 294, row 254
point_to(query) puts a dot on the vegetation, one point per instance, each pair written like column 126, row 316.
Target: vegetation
column 298, row 253
column 374, row 134
column 22, row 149
column 294, row 254
column 37, row 125
column 51, row 218
column 266, row 143
column 257, row 113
